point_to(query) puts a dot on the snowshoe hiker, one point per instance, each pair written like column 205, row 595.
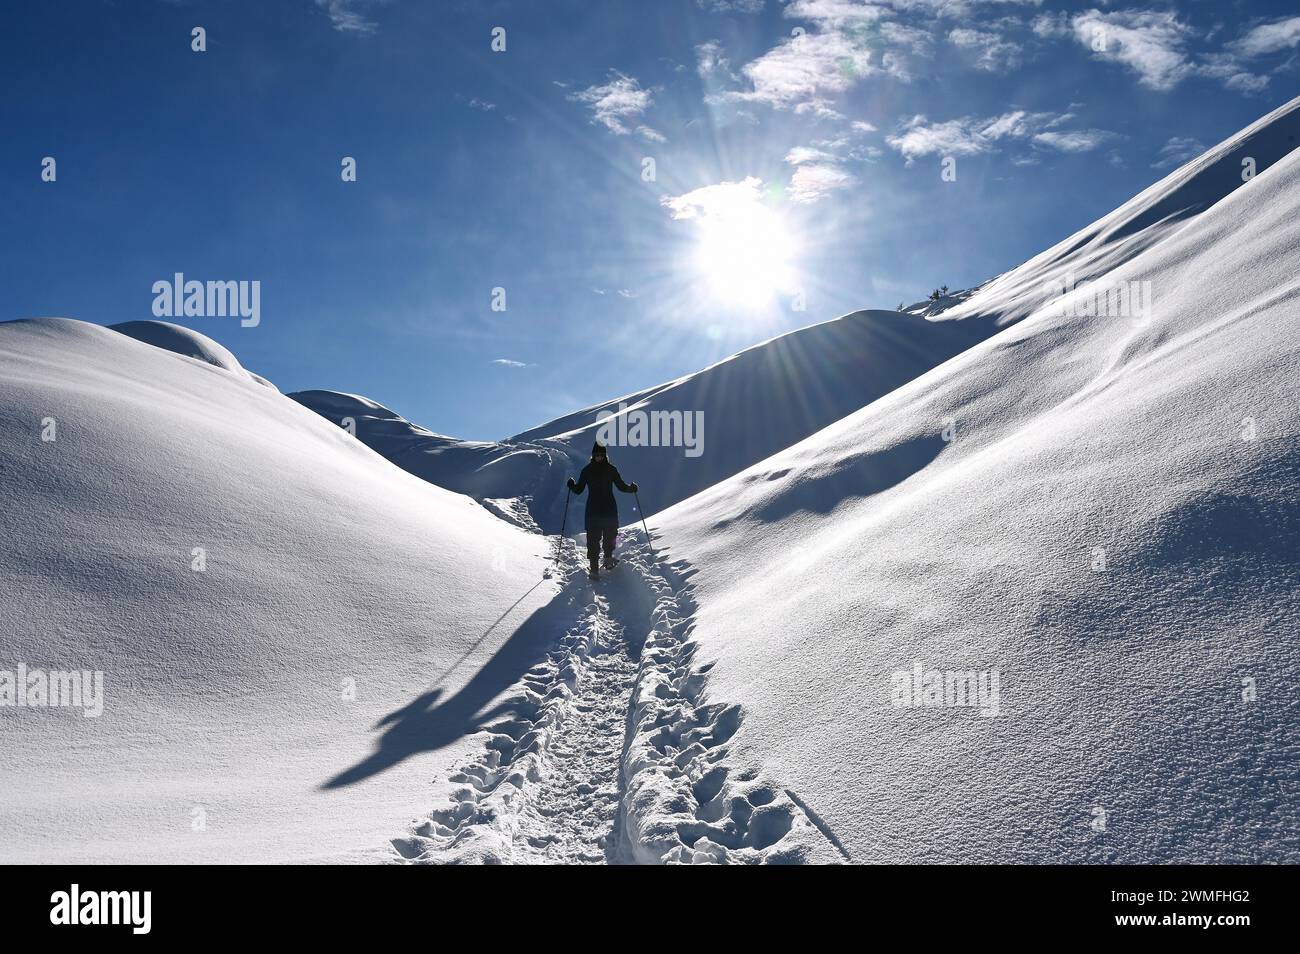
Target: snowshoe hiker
column 602, row 511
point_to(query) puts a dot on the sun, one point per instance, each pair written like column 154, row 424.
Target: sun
column 745, row 256
column 743, row 252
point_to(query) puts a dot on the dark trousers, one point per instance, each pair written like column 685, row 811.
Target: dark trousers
column 601, row 535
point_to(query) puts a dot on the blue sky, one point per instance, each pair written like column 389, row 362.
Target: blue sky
column 797, row 153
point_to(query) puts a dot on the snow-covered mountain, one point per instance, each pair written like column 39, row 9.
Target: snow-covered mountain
column 258, row 589
column 530, row 472
column 1016, row 584
column 1103, row 510
column 727, row 416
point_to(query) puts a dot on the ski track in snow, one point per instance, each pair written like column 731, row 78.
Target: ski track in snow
column 609, row 753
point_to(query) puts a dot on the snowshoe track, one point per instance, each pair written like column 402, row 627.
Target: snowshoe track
column 611, row 755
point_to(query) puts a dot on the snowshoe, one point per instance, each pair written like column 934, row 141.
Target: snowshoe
column 610, row 563
column 593, row 572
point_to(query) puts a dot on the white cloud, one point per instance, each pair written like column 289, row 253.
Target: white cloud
column 1243, row 82
column 721, row 198
column 905, row 45
column 510, row 363
column 919, row 137
column 731, row 6
column 1153, row 44
column 1149, row 42
column 840, row 13
column 805, row 73
column 816, row 180
column 971, row 136
column 862, row 127
column 346, row 18
column 710, row 60
column 1079, row 140
column 618, row 104
column 1018, row 124
column 804, row 154
column 1226, row 68
column 817, row 171
column 652, row 135
column 836, row 13
column 992, row 53
column 1178, row 150
column 806, row 70
column 1047, row 25
column 1269, row 38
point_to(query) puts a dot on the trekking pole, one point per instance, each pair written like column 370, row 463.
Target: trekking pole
column 637, row 497
column 563, row 523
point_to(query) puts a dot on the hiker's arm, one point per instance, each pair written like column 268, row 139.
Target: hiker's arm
column 618, row 482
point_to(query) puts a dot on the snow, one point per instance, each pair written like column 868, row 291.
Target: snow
column 607, row 753
column 1114, row 530
column 1153, row 216
column 1088, row 520
column 748, row 407
column 188, row 343
column 224, row 688
column 485, row 470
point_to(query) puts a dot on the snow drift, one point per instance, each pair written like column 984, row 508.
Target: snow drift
column 238, row 569
column 1040, row 603
column 188, row 342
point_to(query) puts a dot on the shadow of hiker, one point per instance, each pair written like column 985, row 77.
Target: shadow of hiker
column 427, row 724
column 428, row 698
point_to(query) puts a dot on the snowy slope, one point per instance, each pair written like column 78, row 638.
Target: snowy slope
column 746, row 407
column 1114, row 528
column 1152, row 217
column 224, row 688
column 1099, row 512
column 764, row 399
column 485, row 470
column 187, row 342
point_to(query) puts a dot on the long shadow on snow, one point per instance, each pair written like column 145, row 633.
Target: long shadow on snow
column 424, row 725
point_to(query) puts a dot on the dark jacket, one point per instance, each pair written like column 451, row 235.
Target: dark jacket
column 602, row 477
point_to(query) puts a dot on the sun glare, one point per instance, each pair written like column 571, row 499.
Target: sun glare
column 744, row 252
column 745, row 258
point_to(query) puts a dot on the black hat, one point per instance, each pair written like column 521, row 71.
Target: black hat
column 599, row 448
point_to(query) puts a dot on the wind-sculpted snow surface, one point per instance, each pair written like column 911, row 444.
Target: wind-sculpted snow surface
column 605, row 752
column 188, row 343
column 258, row 590
column 1041, row 604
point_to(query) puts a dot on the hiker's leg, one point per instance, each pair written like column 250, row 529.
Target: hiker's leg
column 611, row 536
column 593, row 545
